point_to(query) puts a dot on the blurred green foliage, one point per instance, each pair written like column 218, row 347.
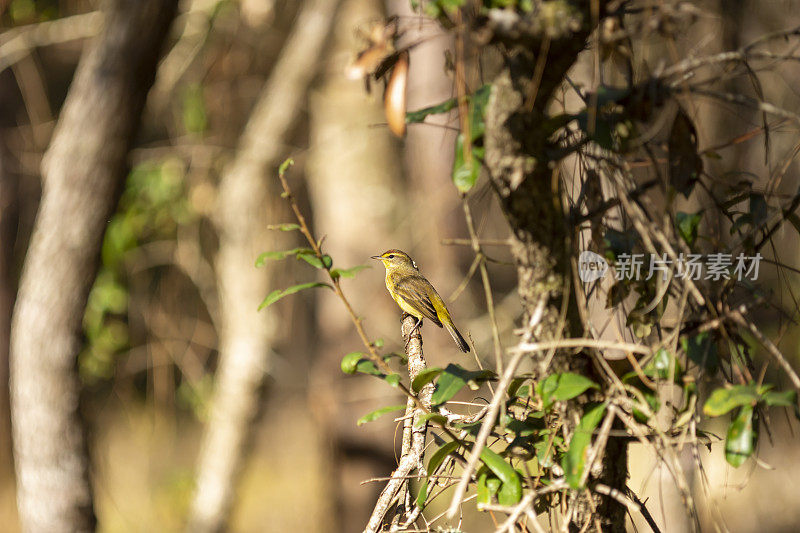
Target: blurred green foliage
column 152, row 207
column 195, row 120
column 30, row 11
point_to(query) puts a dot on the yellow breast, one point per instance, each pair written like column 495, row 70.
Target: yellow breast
column 400, row 302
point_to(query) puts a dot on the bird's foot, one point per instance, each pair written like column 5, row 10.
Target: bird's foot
column 414, row 329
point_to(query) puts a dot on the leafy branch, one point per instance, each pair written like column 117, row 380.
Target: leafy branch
column 320, row 260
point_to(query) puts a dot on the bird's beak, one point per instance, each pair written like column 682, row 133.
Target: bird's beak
column 375, row 257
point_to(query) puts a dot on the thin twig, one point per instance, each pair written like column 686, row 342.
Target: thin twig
column 528, row 347
column 491, row 415
column 773, row 350
column 461, row 89
column 617, row 495
column 644, row 512
column 487, row 288
column 743, row 100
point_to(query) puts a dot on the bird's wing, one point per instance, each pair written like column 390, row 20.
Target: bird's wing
column 407, row 289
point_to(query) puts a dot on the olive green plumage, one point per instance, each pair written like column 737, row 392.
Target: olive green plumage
column 415, row 295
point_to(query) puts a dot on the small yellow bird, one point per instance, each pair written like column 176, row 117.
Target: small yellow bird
column 415, row 295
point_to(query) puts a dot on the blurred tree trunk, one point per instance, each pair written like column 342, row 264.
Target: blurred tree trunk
column 248, row 194
column 353, row 183
column 517, row 156
column 82, row 174
column 9, row 199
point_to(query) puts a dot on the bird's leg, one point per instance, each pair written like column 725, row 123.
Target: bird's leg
column 414, row 329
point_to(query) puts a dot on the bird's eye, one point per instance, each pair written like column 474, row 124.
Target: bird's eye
column 391, row 256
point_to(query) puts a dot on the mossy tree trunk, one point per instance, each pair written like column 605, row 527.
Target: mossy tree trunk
column 524, row 172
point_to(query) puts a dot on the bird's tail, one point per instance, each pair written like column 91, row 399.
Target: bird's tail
column 462, row 344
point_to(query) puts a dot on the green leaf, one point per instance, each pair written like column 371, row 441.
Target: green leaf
column 454, row 378
column 764, row 389
column 465, row 174
column 574, row 461
column 350, row 361
column 477, row 112
column 664, row 365
column 435, row 461
column 450, row 382
column 434, row 418
column 392, row 379
column 650, row 397
column 424, row 377
column 562, row 387
column 284, row 227
column 488, row 485
column 544, row 454
column 285, row 166
column 723, row 400
column 477, row 106
column 525, row 428
column 515, row 388
column 687, row 226
column 282, row 255
column 702, row 350
column 312, row 260
column 347, row 272
column 413, row 117
column 360, row 362
column 306, row 254
column 402, row 357
column 780, row 399
column 422, row 495
column 740, row 441
column 511, row 489
column 367, row 366
column 277, row 294
column 377, row 413
column 441, row 454
column 652, row 402
column 315, row 261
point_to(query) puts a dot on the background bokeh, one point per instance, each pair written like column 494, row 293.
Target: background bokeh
column 152, row 325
